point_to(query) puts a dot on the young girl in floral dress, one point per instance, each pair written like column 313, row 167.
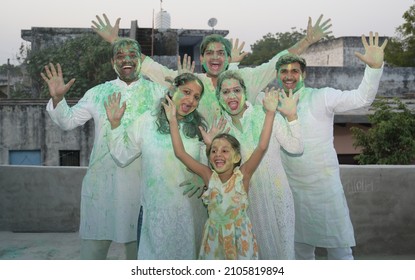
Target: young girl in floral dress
column 228, row 231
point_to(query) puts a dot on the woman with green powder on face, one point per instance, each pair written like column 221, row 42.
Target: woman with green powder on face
column 271, row 207
column 172, row 224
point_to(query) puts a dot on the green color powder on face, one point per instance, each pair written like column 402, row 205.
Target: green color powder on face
column 233, row 90
column 127, row 55
column 214, row 53
column 177, row 96
column 298, row 85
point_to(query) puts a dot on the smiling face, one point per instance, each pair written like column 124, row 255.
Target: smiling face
column 232, row 97
column 223, row 156
column 127, row 63
column 290, row 76
column 186, row 98
column 215, row 59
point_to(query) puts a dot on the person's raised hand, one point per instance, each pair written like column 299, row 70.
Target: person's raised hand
column 374, row 53
column 113, row 109
column 55, row 82
column 187, row 66
column 217, row 128
column 270, row 101
column 237, row 53
column 169, row 108
column 288, row 104
column 105, row 30
column 317, row 31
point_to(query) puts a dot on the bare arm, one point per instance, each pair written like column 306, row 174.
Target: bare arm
column 200, row 169
column 270, row 104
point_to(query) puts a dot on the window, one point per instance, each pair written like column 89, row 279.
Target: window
column 69, row 158
column 25, row 157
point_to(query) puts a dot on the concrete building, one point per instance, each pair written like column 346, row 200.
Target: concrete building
column 163, row 45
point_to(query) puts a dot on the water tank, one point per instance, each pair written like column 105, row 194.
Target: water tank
column 162, row 20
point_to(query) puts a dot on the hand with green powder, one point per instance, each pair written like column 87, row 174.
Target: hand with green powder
column 314, row 34
column 108, row 32
column 187, row 66
column 56, row 84
column 288, row 105
column 237, row 53
column 374, row 53
column 113, row 109
column 318, row 31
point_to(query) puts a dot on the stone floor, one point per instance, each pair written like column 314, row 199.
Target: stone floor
column 66, row 246
column 47, row 246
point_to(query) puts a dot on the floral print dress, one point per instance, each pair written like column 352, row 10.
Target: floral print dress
column 228, row 231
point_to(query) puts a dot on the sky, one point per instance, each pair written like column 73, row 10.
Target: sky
column 246, row 20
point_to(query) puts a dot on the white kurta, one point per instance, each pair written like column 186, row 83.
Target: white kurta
column 172, row 223
column 271, row 203
column 256, row 79
column 322, row 214
column 110, row 194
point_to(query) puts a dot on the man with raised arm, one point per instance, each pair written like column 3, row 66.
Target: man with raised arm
column 110, row 194
column 321, row 212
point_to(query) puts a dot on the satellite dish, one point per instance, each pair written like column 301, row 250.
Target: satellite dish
column 212, row 22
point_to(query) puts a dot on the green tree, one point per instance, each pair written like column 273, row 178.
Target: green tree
column 18, row 87
column 400, row 51
column 271, row 44
column 391, row 139
column 12, row 69
column 86, row 58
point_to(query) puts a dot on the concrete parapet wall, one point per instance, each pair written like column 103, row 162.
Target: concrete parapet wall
column 380, row 199
column 40, row 198
column 381, row 202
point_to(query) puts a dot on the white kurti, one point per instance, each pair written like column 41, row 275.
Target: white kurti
column 172, row 223
column 271, row 203
column 322, row 214
column 110, row 194
column 256, row 79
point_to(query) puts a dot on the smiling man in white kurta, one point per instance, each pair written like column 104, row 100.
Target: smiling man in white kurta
column 110, row 194
column 321, row 211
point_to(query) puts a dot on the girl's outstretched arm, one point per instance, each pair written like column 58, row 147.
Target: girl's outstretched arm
column 270, row 103
column 180, row 152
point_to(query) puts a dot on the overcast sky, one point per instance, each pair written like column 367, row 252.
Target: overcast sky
column 246, row 20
